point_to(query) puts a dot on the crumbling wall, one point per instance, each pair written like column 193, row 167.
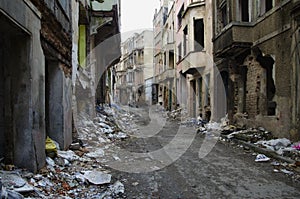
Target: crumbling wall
column 24, row 132
column 254, row 86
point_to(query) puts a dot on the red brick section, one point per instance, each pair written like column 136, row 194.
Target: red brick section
column 253, row 86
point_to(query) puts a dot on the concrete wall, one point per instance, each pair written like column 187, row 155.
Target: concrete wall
column 23, row 64
column 59, row 127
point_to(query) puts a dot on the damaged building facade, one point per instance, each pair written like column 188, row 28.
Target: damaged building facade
column 164, row 61
column 36, row 68
column 194, row 60
column 45, row 49
column 134, row 70
column 257, row 59
column 98, row 50
column 183, row 72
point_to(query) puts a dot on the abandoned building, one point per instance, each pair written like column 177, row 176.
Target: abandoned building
column 99, row 49
column 134, row 68
column 46, row 46
column 252, row 49
column 35, row 84
column 164, row 60
column 184, row 73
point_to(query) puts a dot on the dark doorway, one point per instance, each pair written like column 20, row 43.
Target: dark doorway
column 14, row 92
column 193, row 98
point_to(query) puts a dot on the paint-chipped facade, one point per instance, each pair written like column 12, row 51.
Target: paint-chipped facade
column 164, row 39
column 46, row 47
column 194, row 60
column 134, row 68
column 36, row 44
column 252, row 50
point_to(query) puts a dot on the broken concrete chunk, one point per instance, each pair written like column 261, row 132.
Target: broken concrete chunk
column 50, row 161
column 97, row 177
column 117, row 188
column 12, row 179
column 69, row 155
column 96, row 154
column 75, row 146
column 26, row 188
column 261, row 158
column 104, row 125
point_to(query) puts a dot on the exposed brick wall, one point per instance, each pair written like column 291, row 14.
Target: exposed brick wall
column 253, row 86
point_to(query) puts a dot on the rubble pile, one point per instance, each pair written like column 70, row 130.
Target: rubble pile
column 79, row 172
column 268, row 147
column 281, row 149
column 175, row 114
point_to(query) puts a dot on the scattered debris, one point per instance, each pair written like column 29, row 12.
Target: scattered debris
column 261, row 158
column 286, row 171
column 97, row 177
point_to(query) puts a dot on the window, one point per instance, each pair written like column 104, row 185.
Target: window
column 224, row 20
column 171, row 59
column 199, row 35
column 269, row 5
column 185, row 40
column 179, row 17
column 244, row 10
column 264, row 6
column 179, row 52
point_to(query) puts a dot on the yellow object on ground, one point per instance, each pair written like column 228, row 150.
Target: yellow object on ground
column 51, row 149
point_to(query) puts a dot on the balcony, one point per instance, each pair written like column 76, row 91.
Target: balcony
column 167, row 74
column 233, row 39
column 195, row 61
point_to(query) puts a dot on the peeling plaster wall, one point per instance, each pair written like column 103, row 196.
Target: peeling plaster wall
column 24, row 86
column 59, row 113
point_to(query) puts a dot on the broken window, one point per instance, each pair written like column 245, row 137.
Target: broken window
column 269, row 5
column 264, row 6
column 171, row 59
column 267, row 62
column 185, row 40
column 179, row 52
column 244, row 10
column 179, row 16
column 199, row 34
column 224, row 20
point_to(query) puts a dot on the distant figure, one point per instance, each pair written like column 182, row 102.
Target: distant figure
column 201, row 122
column 107, row 96
column 207, row 113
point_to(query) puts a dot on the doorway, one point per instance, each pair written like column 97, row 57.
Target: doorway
column 14, row 91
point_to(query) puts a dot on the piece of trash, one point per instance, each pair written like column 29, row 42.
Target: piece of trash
column 117, row 188
column 135, row 184
column 10, row 194
column 51, row 149
column 26, row 188
column 75, row 146
column 261, row 158
column 80, row 178
column 11, row 179
column 116, row 158
column 69, row 155
column 276, row 170
column 50, row 161
column 286, row 171
column 296, row 146
column 96, row 154
column 97, row 177
column 275, row 163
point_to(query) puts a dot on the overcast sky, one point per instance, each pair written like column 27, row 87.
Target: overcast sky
column 137, row 14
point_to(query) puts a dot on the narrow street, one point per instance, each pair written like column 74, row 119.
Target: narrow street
column 149, row 99
column 227, row 171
